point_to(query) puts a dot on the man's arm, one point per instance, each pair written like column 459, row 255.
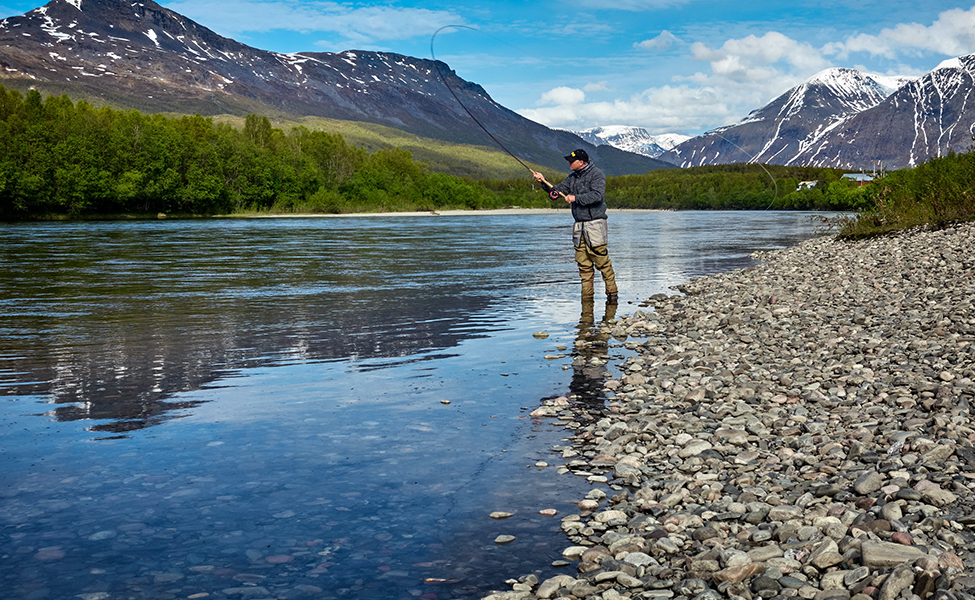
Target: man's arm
column 546, row 185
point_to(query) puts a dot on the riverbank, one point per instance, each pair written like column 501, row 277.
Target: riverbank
column 801, row 429
column 421, row 213
column 443, row 213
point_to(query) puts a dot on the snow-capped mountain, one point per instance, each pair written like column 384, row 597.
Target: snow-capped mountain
column 783, row 131
column 138, row 54
column 632, row 139
column 928, row 117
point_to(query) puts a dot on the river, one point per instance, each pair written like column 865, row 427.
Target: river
column 308, row 407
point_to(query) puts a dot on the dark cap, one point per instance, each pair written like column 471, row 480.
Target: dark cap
column 578, row 154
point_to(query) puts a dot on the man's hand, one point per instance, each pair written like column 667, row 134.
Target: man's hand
column 570, row 198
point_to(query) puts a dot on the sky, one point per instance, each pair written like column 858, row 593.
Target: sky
column 669, row 66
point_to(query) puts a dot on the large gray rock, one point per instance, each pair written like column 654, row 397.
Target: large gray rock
column 901, row 578
column 888, row 554
column 868, row 483
column 549, row 587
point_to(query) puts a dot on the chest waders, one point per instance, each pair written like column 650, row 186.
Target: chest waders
column 591, row 239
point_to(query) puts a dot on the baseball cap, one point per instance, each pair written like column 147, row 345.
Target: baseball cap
column 578, row 155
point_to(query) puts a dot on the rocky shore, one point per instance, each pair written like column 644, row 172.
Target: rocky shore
column 801, row 429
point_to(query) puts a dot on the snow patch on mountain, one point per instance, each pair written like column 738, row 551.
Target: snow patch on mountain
column 667, row 141
column 951, row 63
column 798, row 126
column 891, row 83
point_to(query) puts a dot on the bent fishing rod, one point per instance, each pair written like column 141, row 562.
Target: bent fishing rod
column 457, row 98
column 754, row 160
column 553, row 194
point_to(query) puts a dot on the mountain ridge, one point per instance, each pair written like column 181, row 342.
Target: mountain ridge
column 926, row 118
column 783, row 128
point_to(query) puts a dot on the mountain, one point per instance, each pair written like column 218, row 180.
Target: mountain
column 928, row 117
column 140, row 55
column 786, row 127
column 632, row 139
column 846, row 119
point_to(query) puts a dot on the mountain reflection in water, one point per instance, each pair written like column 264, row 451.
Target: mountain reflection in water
column 112, row 320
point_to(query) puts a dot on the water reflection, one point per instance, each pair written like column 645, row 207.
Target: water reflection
column 591, row 356
column 128, row 373
column 113, row 323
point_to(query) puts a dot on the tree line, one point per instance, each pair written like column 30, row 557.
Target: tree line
column 737, row 187
column 71, row 158
column 59, row 157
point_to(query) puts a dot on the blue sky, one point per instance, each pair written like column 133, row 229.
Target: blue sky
column 682, row 66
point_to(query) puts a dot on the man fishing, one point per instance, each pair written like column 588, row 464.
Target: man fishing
column 585, row 189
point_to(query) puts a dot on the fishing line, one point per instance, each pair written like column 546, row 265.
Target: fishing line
column 462, row 105
column 751, row 160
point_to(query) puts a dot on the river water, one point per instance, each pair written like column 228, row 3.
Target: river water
column 306, row 408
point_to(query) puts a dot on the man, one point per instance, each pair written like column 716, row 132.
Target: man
column 584, row 189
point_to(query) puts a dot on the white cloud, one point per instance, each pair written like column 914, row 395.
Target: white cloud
column 742, row 75
column 361, row 25
column 953, row 34
column 563, row 96
column 599, row 86
column 752, row 57
column 662, row 110
column 662, row 42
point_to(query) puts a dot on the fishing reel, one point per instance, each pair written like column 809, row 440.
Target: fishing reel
column 553, row 195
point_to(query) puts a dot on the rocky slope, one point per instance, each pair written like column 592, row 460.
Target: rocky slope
column 925, row 118
column 783, row 129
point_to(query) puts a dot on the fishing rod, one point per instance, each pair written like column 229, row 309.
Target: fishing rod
column 462, row 105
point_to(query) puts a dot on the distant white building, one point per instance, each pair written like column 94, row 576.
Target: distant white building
column 806, row 185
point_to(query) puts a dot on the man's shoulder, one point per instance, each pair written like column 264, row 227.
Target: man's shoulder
column 594, row 171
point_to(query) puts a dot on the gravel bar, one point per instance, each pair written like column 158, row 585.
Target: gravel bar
column 800, row 429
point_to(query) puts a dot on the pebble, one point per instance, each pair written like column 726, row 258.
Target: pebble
column 800, row 429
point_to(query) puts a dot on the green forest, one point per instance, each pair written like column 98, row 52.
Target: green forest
column 72, row 159
column 737, row 187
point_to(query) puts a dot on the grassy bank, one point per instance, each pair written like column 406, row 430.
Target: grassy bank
column 936, row 194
